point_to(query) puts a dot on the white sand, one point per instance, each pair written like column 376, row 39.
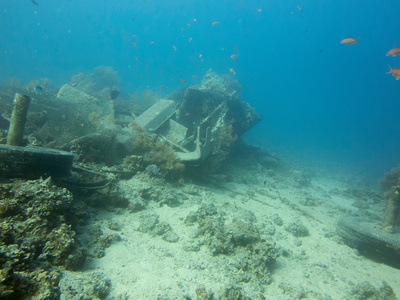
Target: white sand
column 142, row 266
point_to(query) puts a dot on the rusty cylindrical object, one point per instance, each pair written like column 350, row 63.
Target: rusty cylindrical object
column 18, row 119
column 392, row 212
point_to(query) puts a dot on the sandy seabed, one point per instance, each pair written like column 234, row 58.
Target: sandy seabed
column 318, row 265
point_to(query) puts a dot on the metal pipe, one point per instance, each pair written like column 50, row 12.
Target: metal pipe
column 18, row 119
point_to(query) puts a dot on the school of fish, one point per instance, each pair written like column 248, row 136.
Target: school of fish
column 393, row 52
column 395, row 71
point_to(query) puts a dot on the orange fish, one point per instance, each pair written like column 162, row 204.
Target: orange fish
column 190, row 40
column 194, row 76
column 259, row 9
column 133, row 35
column 234, row 48
column 200, row 55
column 188, row 24
column 214, row 23
column 232, row 71
column 151, row 42
column 394, row 52
column 234, row 55
column 194, row 19
column 182, row 80
column 174, row 47
column 125, row 37
column 160, row 87
column 395, row 72
column 349, row 41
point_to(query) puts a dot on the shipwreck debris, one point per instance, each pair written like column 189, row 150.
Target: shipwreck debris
column 18, row 119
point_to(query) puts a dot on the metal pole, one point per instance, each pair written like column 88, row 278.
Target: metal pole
column 18, row 119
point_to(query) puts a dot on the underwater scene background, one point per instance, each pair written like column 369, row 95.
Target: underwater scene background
column 321, row 99
column 229, row 149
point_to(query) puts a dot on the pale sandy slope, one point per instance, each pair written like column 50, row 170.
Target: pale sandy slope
column 319, row 266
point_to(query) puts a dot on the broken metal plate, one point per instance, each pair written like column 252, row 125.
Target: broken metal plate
column 156, row 115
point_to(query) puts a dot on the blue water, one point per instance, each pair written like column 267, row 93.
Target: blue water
column 318, row 97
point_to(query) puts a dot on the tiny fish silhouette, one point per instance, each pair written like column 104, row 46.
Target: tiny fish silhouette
column 394, row 52
column 349, row 41
column 395, row 72
column 114, row 93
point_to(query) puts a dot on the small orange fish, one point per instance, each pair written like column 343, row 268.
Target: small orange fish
column 394, row 52
column 187, row 114
column 349, row 41
column 395, row 72
column 234, row 55
column 194, row 76
column 151, row 42
column 234, row 48
column 194, row 19
column 133, row 35
column 190, row 40
column 200, row 55
column 160, row 87
column 188, row 24
column 125, row 37
column 214, row 23
column 174, row 47
column 232, row 71
column 182, row 80
column 259, row 9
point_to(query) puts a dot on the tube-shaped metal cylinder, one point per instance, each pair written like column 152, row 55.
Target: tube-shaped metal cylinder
column 18, row 119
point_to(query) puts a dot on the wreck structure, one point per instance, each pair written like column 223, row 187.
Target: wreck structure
column 198, row 123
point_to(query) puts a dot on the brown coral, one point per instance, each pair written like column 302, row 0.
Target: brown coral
column 158, row 153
